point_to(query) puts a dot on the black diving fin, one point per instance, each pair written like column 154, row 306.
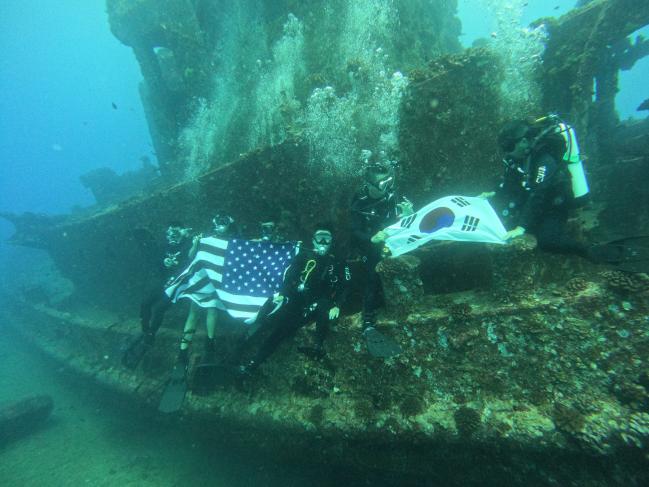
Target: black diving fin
column 380, row 345
column 174, row 394
column 630, row 254
column 207, row 374
column 135, row 351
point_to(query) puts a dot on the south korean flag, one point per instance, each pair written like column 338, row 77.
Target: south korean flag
column 456, row 218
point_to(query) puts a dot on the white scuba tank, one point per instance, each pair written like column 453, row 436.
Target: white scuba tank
column 572, row 158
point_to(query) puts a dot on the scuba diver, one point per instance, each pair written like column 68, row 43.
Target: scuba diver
column 223, row 227
column 269, row 232
column 156, row 304
column 374, row 207
column 543, row 182
column 314, row 288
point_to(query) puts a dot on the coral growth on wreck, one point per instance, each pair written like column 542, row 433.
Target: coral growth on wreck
column 467, row 421
column 626, row 282
column 567, row 418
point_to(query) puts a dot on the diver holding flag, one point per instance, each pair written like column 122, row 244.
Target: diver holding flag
column 156, row 303
column 374, row 207
column 314, row 288
column 543, row 181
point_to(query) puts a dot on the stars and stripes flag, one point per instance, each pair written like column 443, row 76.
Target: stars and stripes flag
column 235, row 275
column 458, row 218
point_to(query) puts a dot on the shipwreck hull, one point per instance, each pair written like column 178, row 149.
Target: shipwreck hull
column 449, row 119
column 519, row 367
column 530, row 385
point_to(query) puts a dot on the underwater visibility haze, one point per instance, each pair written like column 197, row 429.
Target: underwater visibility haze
column 370, row 242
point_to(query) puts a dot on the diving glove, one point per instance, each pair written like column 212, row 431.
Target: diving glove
column 515, row 233
column 334, row 313
column 406, row 207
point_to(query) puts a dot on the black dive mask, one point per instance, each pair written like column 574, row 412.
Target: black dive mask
column 380, row 176
column 267, row 231
column 322, row 242
column 222, row 223
column 175, row 235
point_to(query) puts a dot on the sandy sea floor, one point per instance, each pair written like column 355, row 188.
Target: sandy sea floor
column 91, row 439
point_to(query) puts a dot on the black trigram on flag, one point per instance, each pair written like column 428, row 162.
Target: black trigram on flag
column 470, row 223
column 461, row 202
column 413, row 238
column 406, row 222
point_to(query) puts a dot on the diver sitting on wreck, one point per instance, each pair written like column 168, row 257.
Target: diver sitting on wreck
column 314, row 288
column 542, row 183
column 156, row 302
column 374, row 207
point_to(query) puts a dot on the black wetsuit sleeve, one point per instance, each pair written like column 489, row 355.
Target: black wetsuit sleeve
column 386, row 214
column 359, row 226
column 502, row 186
column 544, row 177
column 342, row 285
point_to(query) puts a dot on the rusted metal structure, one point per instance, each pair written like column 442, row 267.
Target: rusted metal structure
column 501, row 345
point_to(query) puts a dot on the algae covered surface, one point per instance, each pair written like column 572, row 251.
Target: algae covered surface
column 518, row 366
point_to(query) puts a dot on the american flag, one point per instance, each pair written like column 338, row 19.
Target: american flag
column 237, row 276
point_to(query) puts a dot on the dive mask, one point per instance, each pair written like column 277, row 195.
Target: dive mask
column 175, row 235
column 322, row 242
column 267, row 231
column 222, row 223
column 381, row 177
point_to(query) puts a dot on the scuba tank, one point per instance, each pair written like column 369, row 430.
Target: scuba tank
column 571, row 156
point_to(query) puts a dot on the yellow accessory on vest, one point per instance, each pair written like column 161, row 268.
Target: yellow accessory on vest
column 304, row 275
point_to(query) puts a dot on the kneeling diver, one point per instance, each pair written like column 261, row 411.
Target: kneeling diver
column 542, row 182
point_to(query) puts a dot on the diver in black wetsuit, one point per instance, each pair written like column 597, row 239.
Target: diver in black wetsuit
column 543, row 181
column 314, row 288
column 538, row 188
column 156, row 303
column 373, row 208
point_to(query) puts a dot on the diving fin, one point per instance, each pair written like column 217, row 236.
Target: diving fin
column 204, row 375
column 380, row 345
column 629, row 254
column 174, row 394
column 135, row 351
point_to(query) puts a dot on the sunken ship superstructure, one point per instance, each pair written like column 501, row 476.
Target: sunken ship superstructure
column 536, row 364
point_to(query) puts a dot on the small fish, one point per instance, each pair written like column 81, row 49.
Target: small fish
column 556, row 8
column 114, row 106
column 643, row 106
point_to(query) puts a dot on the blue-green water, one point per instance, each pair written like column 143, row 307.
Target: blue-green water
column 257, row 96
